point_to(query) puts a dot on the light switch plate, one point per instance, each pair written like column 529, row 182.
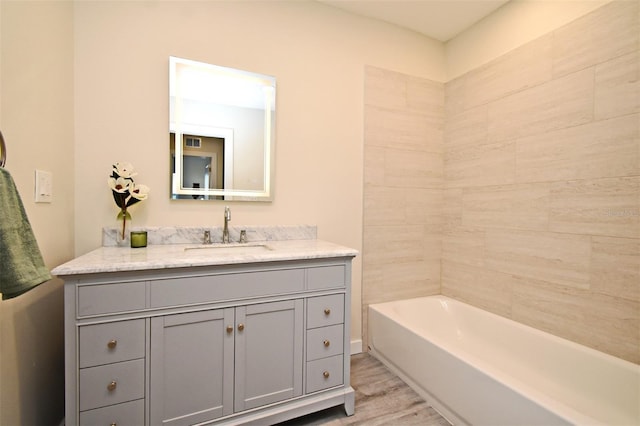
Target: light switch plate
column 44, row 186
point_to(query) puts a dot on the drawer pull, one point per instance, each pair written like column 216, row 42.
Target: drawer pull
column 112, row 344
column 326, row 343
column 229, row 329
column 240, row 327
column 112, row 386
column 326, row 374
column 327, row 311
column 114, row 424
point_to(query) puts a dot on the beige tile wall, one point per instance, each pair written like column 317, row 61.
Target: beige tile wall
column 403, row 192
column 515, row 187
column 542, row 182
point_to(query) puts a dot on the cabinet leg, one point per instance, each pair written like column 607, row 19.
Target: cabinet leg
column 350, row 403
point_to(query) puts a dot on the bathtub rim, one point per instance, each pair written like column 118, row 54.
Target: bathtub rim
column 622, row 362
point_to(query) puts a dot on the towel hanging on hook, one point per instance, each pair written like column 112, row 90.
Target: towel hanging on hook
column 21, row 264
column 3, row 151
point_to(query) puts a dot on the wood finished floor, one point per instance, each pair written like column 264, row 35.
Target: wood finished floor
column 381, row 399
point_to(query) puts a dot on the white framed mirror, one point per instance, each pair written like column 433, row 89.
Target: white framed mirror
column 221, row 132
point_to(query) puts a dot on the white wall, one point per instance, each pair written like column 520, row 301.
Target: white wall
column 37, row 114
column 514, row 24
column 36, row 118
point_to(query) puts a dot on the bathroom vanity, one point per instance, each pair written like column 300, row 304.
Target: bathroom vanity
column 181, row 334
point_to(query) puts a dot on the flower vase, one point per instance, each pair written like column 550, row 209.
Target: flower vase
column 123, row 230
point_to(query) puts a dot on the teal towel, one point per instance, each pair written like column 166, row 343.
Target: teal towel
column 21, row 263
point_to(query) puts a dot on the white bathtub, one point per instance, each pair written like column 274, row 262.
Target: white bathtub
column 478, row 368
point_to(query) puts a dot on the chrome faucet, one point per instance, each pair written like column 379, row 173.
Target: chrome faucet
column 225, row 231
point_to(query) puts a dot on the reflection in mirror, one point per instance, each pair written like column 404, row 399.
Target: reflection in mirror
column 221, row 132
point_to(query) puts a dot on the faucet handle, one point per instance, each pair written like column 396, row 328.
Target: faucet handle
column 207, row 237
column 227, row 213
column 243, row 236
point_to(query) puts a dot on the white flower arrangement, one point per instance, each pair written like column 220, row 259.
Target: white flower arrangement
column 125, row 191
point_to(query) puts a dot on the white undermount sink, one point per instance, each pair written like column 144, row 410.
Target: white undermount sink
column 244, row 248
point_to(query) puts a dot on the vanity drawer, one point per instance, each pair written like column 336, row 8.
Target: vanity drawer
column 325, row 310
column 111, row 384
column 189, row 290
column 325, row 342
column 111, row 342
column 128, row 413
column 110, row 298
column 324, row 373
column 326, row 277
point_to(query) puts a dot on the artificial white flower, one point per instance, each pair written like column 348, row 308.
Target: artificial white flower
column 119, row 184
column 139, row 191
column 124, row 170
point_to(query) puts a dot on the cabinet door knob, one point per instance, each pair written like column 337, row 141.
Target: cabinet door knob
column 112, row 344
column 240, row 327
column 326, row 374
column 112, row 386
column 326, row 343
column 327, row 311
column 229, row 329
column 114, row 424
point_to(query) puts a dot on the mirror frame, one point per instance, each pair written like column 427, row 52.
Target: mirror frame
column 180, row 129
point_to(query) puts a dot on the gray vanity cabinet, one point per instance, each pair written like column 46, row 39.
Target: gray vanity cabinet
column 268, row 353
column 210, row 364
column 257, row 343
column 191, row 373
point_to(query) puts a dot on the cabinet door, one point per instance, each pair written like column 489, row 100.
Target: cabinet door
column 268, row 353
column 191, row 372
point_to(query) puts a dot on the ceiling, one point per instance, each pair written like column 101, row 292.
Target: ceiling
column 438, row 19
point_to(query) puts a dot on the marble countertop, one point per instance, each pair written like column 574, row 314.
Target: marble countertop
column 161, row 256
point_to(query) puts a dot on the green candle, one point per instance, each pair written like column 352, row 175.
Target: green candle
column 138, row 239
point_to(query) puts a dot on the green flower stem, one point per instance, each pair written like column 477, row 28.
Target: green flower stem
column 124, row 215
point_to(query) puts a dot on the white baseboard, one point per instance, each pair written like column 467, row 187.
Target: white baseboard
column 356, row 346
